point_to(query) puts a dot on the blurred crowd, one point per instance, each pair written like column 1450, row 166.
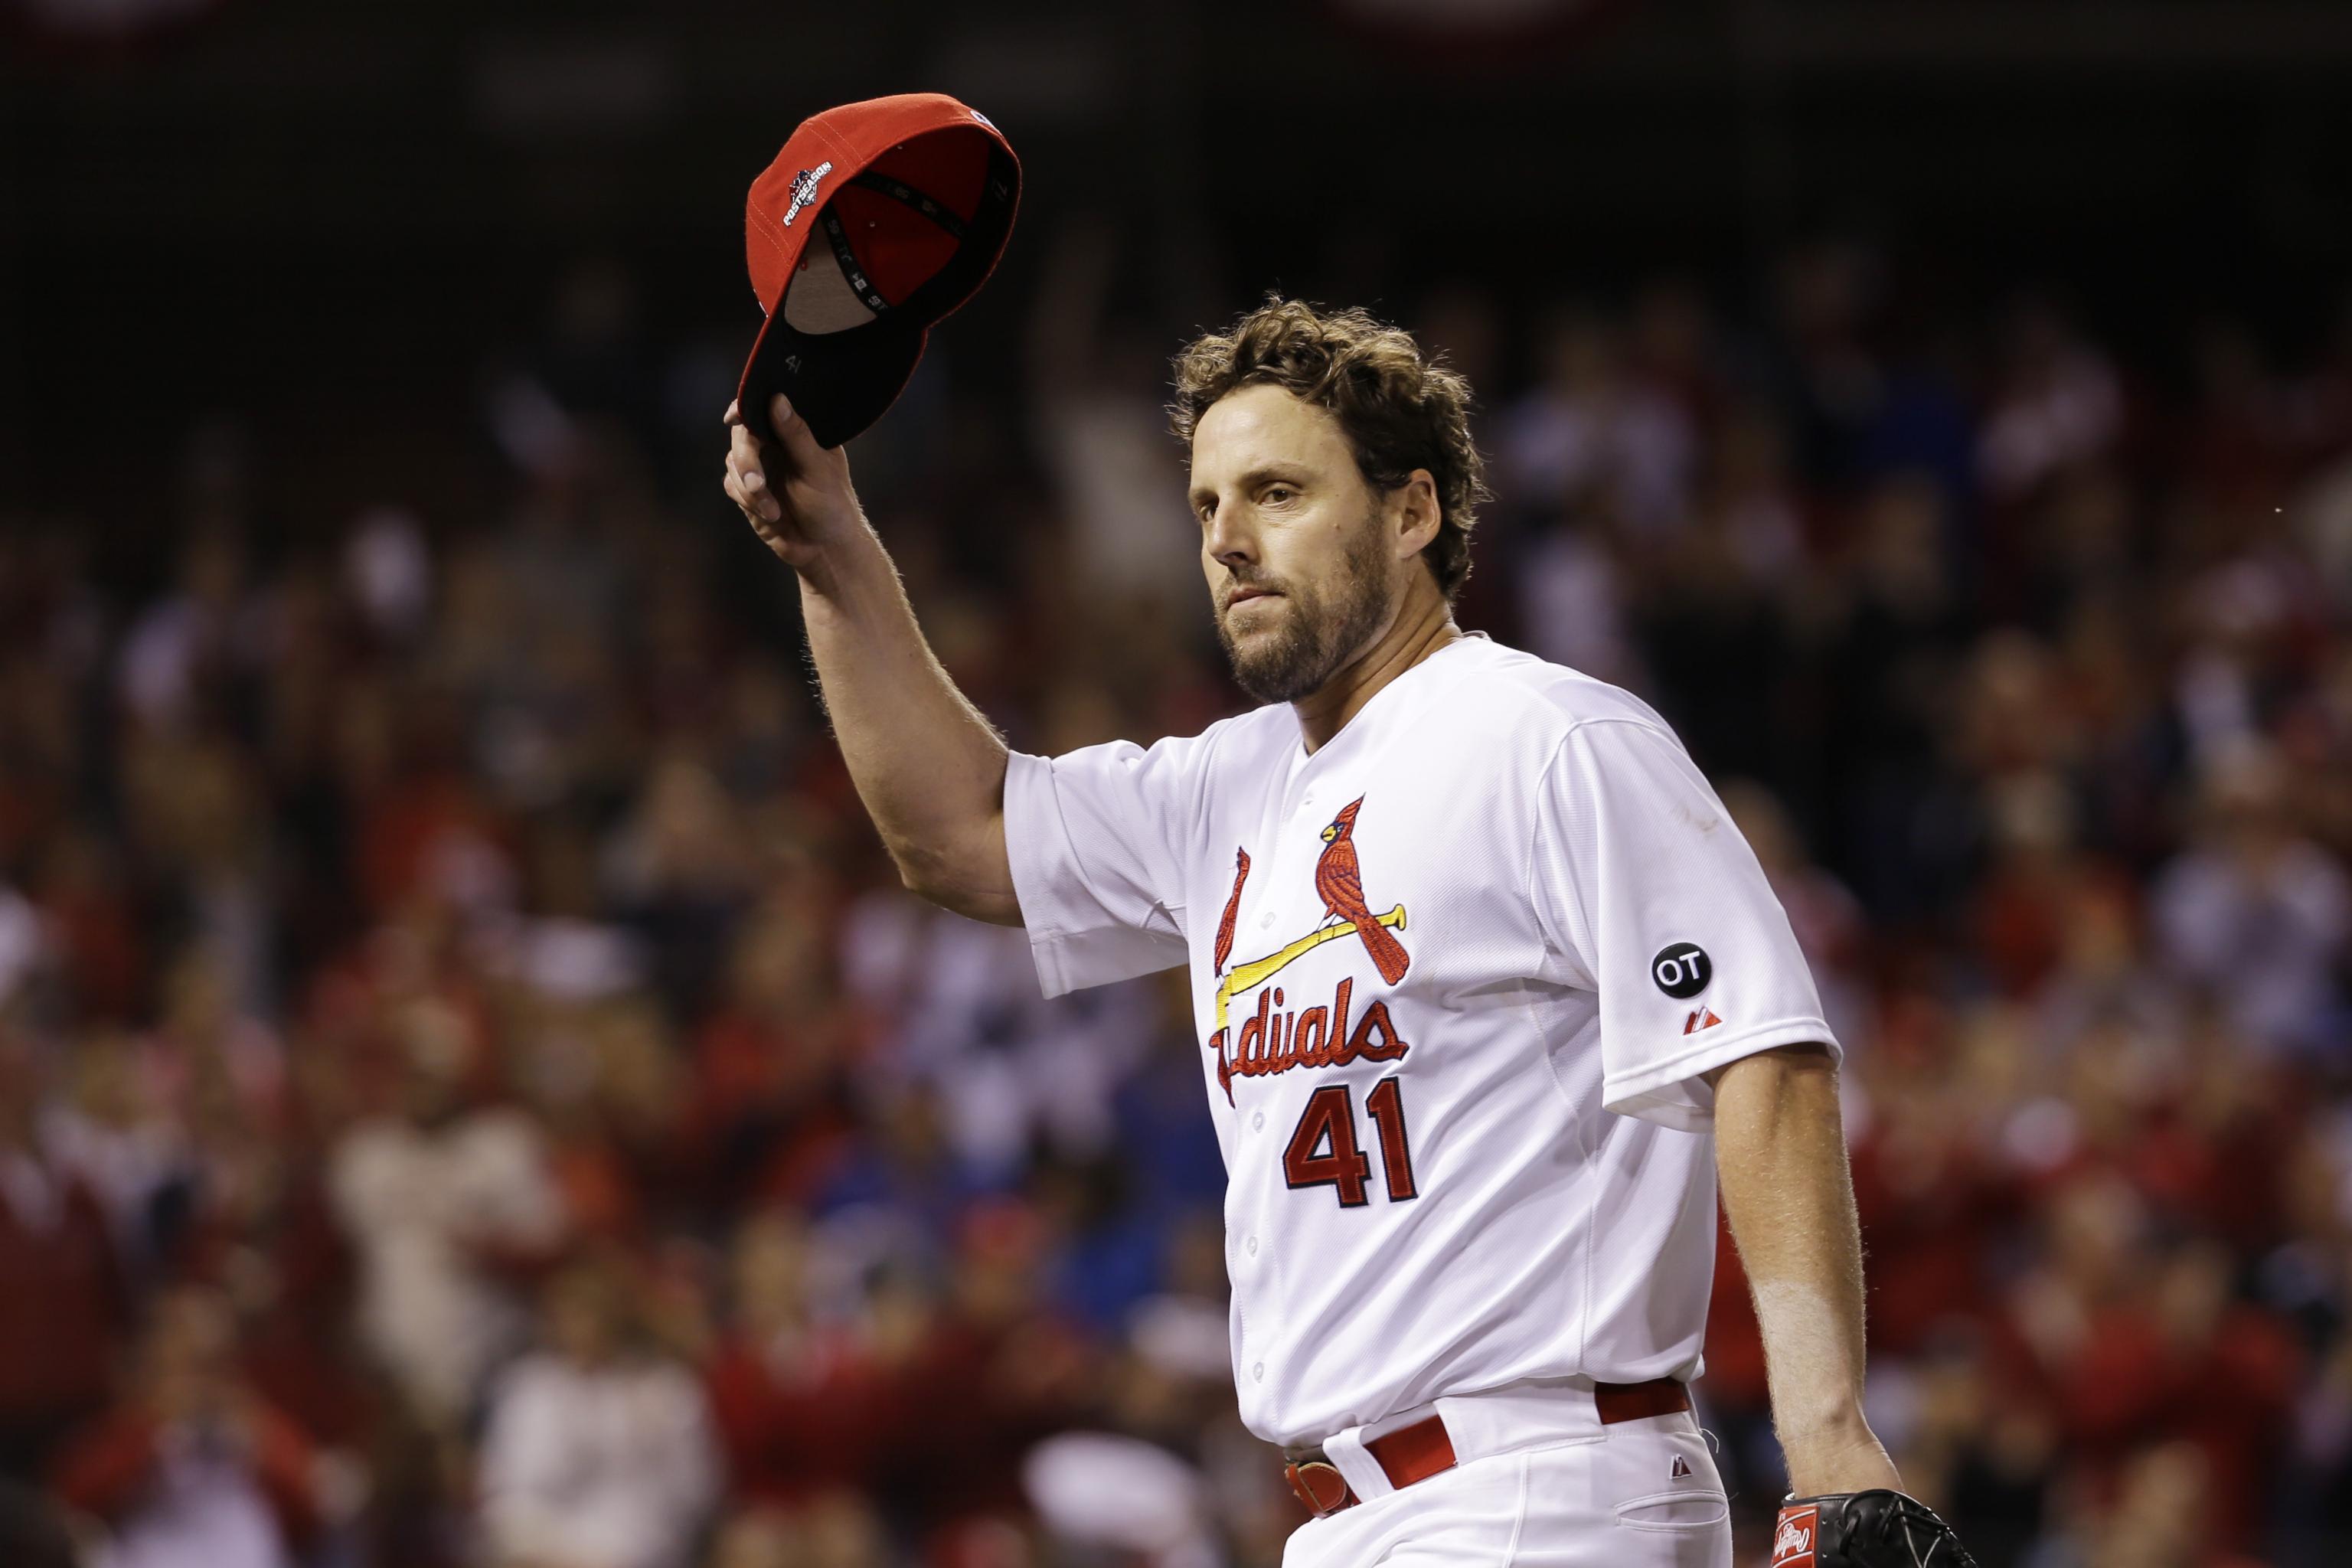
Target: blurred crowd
column 473, row 1093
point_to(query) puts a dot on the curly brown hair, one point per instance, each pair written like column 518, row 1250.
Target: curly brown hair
column 1400, row 408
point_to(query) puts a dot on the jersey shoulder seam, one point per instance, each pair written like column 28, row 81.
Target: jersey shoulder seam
column 1536, row 691
column 1588, row 721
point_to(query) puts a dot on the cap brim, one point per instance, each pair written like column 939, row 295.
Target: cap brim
column 838, row 383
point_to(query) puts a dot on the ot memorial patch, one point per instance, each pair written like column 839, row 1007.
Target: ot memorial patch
column 1682, row 969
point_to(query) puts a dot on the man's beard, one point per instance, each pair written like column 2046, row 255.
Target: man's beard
column 1321, row 631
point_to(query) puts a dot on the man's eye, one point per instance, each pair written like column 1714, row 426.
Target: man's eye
column 1279, row 495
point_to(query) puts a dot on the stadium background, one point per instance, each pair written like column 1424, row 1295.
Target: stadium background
column 470, row 1091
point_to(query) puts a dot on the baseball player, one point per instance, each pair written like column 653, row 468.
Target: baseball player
column 1490, row 993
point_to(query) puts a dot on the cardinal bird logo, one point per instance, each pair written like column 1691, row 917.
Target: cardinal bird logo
column 1349, row 1028
column 1233, row 908
column 1339, row 883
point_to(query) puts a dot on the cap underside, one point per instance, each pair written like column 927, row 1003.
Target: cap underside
column 889, row 252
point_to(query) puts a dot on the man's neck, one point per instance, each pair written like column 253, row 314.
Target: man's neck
column 1424, row 624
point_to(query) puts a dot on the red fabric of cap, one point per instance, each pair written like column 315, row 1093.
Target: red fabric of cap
column 923, row 192
column 899, row 248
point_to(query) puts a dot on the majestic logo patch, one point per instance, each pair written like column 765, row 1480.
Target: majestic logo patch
column 1682, row 1468
column 1271, row 1041
column 1700, row 1018
column 1792, row 1543
column 804, row 189
column 1682, row 969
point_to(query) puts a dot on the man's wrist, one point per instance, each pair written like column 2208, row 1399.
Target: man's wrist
column 843, row 558
column 1845, row 1458
column 1830, row 1422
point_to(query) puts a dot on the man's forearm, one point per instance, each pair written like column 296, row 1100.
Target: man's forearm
column 929, row 769
column 1780, row 1152
column 929, row 766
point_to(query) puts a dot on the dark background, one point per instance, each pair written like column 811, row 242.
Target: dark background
column 314, row 215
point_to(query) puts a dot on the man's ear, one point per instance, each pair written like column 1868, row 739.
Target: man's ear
column 1415, row 514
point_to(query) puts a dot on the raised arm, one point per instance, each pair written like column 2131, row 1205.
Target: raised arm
column 929, row 767
column 1780, row 1154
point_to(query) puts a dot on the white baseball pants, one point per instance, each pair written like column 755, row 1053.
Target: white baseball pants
column 1637, row 1494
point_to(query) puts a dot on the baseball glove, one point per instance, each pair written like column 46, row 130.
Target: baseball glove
column 1879, row 1528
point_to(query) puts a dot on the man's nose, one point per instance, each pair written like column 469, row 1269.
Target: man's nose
column 1227, row 537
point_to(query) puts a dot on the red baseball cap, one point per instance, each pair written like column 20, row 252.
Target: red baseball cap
column 876, row 220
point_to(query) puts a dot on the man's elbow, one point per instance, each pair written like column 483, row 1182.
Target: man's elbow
column 958, row 884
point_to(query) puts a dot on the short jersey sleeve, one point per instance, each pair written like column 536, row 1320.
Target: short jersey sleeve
column 1096, row 841
column 1648, row 894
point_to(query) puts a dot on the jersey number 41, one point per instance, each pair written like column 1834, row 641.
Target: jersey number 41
column 1324, row 1152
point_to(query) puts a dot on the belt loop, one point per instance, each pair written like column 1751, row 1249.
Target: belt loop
column 1363, row 1473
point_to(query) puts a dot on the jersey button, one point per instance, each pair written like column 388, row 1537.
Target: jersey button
column 1252, row 1244
column 1257, row 1122
column 1257, row 1373
column 1268, row 921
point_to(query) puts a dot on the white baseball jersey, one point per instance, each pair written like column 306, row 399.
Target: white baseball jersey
column 1456, row 975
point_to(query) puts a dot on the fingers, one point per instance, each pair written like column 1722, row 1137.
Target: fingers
column 747, row 481
column 742, row 445
column 747, row 487
column 747, row 474
column 749, row 459
column 760, row 498
column 746, row 453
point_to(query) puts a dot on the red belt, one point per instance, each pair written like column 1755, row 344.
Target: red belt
column 1423, row 1449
